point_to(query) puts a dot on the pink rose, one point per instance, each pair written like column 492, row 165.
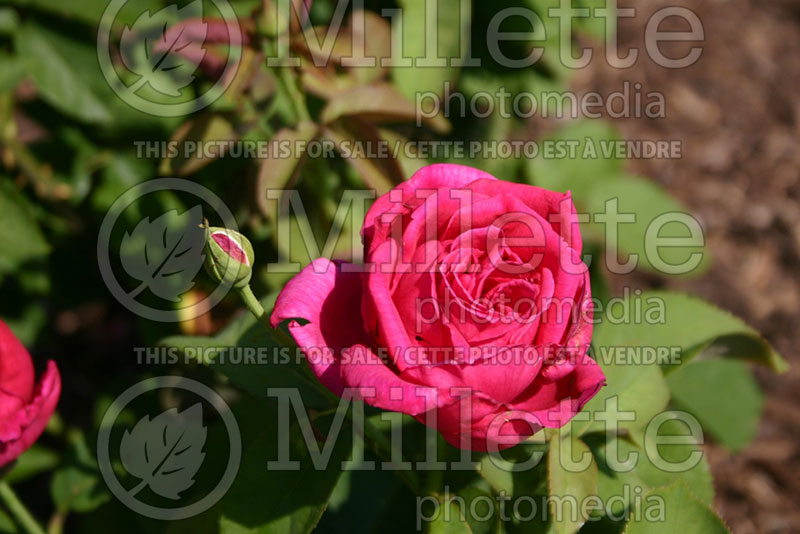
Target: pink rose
column 472, row 312
column 25, row 407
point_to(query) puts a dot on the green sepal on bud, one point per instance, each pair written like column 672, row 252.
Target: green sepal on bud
column 229, row 256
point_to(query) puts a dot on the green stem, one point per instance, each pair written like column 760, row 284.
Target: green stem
column 288, row 82
column 255, row 307
column 18, row 510
column 56, row 524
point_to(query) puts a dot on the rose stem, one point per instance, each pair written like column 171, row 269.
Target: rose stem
column 255, row 307
column 18, row 510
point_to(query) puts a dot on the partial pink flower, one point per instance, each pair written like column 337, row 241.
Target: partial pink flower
column 25, row 406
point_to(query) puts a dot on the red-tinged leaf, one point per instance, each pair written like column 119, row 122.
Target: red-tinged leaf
column 378, row 174
column 277, row 170
column 404, row 152
column 378, row 103
column 202, row 131
column 243, row 77
column 325, row 82
column 360, row 46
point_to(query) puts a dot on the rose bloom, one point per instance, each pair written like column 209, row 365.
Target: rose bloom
column 25, row 407
column 472, row 311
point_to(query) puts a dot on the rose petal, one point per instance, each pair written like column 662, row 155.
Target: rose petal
column 381, row 387
column 34, row 417
column 16, row 372
column 555, row 403
column 330, row 300
column 379, row 311
column 557, row 208
column 432, row 177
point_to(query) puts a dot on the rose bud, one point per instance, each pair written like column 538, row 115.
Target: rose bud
column 25, row 406
column 472, row 313
column 229, row 257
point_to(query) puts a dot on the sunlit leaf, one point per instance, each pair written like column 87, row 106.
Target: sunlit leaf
column 21, row 240
column 283, row 162
column 435, row 38
column 56, row 78
column 267, row 501
column 682, row 513
column 567, row 479
column 378, row 103
column 198, row 142
column 723, row 395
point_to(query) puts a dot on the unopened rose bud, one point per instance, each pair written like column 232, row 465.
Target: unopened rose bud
column 229, row 256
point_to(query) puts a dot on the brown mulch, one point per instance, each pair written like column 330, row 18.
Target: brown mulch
column 737, row 113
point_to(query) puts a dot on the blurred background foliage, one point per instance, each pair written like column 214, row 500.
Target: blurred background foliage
column 68, row 150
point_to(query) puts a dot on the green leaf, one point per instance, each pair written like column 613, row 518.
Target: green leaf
column 266, row 501
column 596, row 176
column 14, row 69
column 375, row 35
column 256, row 376
column 724, row 397
column 619, row 348
column 551, row 59
column 675, row 325
column 20, row 238
column 471, row 510
column 450, row 519
column 205, row 130
column 7, row 524
column 498, row 473
column 378, row 102
column 86, row 11
column 55, row 76
column 124, row 171
column 483, row 516
column 616, row 486
column 78, row 486
column 696, row 327
column 32, row 462
column 531, row 483
column 274, row 172
column 9, row 21
column 627, row 471
column 681, row 513
column 417, row 42
column 645, row 201
column 78, row 490
column 569, row 480
column 408, row 160
column 654, row 454
column 596, row 26
column 581, row 174
column 645, row 396
column 380, row 174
